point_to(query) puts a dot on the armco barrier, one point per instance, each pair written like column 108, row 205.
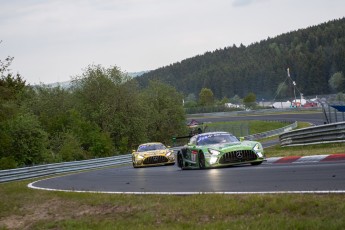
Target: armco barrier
column 330, row 133
column 271, row 133
column 50, row 169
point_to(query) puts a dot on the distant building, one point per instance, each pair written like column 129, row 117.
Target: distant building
column 230, row 105
column 282, row 105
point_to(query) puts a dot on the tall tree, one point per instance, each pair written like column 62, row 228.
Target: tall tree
column 250, row 100
column 166, row 117
column 107, row 97
column 337, row 82
column 206, row 97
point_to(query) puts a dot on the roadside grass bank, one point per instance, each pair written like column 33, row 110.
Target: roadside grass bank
column 307, row 150
column 252, row 127
column 24, row 208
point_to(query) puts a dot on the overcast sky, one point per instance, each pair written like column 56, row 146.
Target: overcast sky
column 53, row 40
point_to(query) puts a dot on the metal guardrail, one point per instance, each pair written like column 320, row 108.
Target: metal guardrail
column 330, row 133
column 271, row 133
column 50, row 169
column 255, row 112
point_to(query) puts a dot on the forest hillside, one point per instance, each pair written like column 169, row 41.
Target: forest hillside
column 313, row 55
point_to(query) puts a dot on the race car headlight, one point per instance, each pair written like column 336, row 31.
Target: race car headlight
column 213, row 160
column 168, row 154
column 213, row 152
column 257, row 147
column 140, row 157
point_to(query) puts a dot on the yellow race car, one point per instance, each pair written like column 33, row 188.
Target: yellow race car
column 151, row 154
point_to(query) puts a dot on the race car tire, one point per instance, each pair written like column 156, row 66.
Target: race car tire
column 179, row 160
column 201, row 159
column 134, row 165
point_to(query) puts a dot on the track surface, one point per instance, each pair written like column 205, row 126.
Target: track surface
column 268, row 177
column 320, row 177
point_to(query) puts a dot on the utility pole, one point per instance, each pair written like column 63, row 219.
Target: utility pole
column 294, row 86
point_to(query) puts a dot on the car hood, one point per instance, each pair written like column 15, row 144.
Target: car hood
column 153, row 152
column 233, row 145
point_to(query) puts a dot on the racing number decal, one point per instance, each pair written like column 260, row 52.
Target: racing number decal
column 193, row 155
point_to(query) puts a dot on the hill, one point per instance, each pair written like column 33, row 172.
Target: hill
column 313, row 55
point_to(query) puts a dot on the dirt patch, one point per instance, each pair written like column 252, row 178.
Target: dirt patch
column 56, row 210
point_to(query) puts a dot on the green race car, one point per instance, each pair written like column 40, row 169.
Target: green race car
column 219, row 149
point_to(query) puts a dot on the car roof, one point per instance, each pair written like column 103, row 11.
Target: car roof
column 212, row 133
column 152, row 143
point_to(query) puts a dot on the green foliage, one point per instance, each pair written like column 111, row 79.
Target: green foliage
column 23, row 140
column 311, row 54
column 8, row 163
column 250, row 100
column 190, row 101
column 103, row 114
column 107, row 98
column 166, row 117
column 340, row 97
column 11, row 88
column 235, row 100
column 71, row 149
column 206, row 97
column 89, row 135
column 224, row 101
column 51, row 106
column 337, row 82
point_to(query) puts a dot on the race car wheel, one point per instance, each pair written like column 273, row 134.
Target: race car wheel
column 134, row 166
column 179, row 160
column 201, row 159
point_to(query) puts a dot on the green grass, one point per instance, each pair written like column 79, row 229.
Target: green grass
column 244, row 128
column 24, row 208
column 264, row 126
column 308, row 150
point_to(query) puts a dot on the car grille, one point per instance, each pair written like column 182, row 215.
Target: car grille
column 155, row 160
column 237, row 156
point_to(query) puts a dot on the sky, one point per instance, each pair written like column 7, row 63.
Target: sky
column 55, row 40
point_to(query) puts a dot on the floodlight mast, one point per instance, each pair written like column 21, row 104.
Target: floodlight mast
column 294, row 86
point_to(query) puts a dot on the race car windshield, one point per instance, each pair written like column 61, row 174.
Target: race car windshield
column 216, row 138
column 144, row 148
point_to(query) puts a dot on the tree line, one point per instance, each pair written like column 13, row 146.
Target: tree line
column 313, row 56
column 103, row 113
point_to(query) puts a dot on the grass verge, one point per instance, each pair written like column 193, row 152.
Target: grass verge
column 24, row 208
column 308, row 150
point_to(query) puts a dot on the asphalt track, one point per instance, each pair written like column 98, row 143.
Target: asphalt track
column 327, row 177
column 308, row 176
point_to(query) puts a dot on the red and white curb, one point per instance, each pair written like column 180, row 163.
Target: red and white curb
column 306, row 159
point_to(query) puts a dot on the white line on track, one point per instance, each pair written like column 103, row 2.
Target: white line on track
column 192, row 193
